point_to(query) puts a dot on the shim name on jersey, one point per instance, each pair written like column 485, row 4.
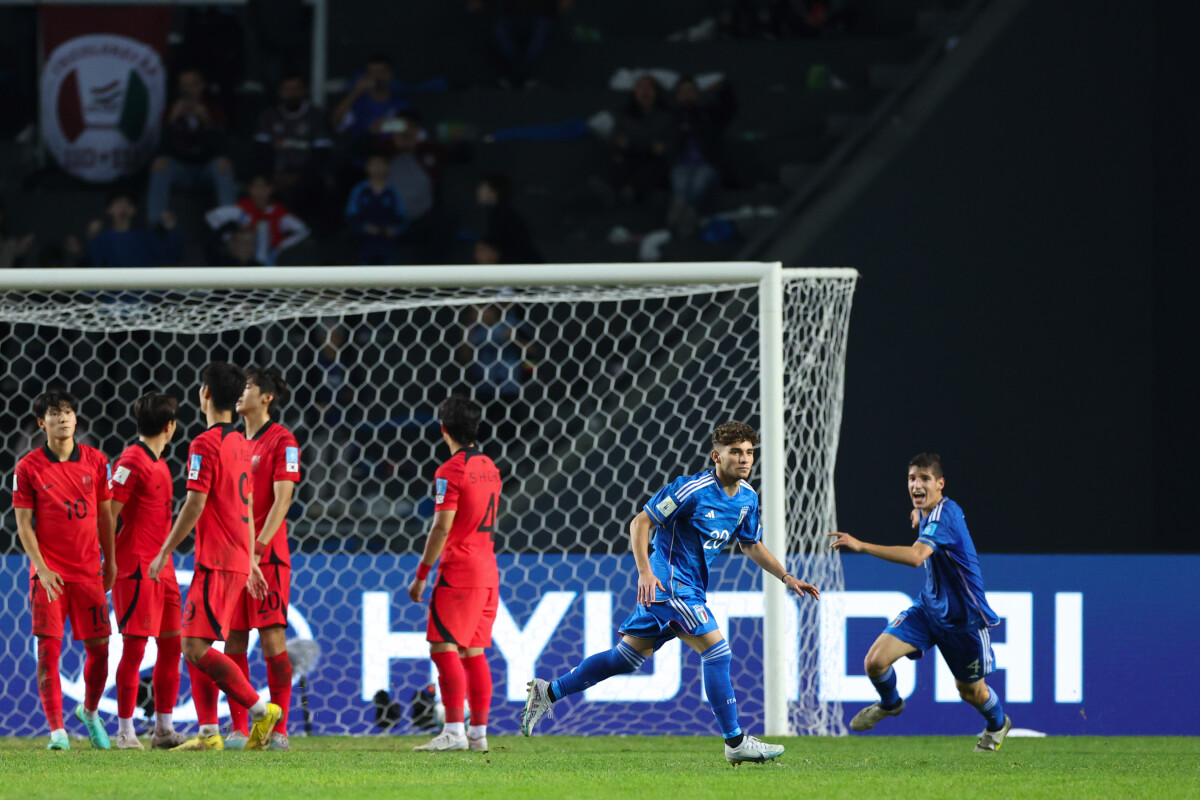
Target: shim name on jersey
column 142, row 481
column 953, row 592
column 276, row 458
column 695, row 520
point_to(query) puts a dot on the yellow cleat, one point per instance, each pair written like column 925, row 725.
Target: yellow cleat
column 260, row 731
column 214, row 742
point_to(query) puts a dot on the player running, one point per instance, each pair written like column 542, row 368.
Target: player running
column 462, row 607
column 220, row 505
column 61, row 499
column 276, row 471
column 952, row 612
column 143, row 498
column 694, row 518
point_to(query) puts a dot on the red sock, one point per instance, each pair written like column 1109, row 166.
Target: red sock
column 95, row 674
column 226, row 675
column 479, row 687
column 279, row 679
column 453, row 681
column 239, row 715
column 204, row 695
column 49, row 684
column 132, row 650
column 166, row 674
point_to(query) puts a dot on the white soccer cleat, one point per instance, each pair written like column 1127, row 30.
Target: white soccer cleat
column 752, row 749
column 128, row 740
column 443, row 742
column 990, row 741
column 870, row 716
column 478, row 743
column 536, row 705
column 166, row 740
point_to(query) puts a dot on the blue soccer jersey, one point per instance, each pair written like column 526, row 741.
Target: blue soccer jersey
column 695, row 519
column 953, row 593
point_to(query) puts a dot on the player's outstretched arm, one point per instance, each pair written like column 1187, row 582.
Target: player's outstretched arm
column 105, row 529
column 442, row 522
column 639, row 534
column 913, row 555
column 189, row 515
column 51, row 581
column 760, row 555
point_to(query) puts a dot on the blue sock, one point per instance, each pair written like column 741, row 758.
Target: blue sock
column 885, row 684
column 716, row 660
column 620, row 660
column 992, row 711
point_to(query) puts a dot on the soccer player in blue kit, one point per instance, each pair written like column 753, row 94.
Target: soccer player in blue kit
column 693, row 519
column 952, row 612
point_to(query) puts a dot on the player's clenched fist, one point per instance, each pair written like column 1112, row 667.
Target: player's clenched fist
column 416, row 589
column 845, row 540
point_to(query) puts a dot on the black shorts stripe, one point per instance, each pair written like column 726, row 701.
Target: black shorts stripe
column 212, row 617
column 437, row 620
column 137, row 592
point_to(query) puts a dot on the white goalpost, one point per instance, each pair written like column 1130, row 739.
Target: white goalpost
column 600, row 382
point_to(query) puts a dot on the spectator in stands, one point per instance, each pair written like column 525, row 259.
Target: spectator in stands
column 644, row 137
column 275, row 227
column 497, row 351
column 294, row 145
column 416, row 166
column 123, row 245
column 364, row 112
column 238, row 249
column 376, row 213
column 12, row 249
column 701, row 119
column 193, row 148
column 520, row 34
column 506, row 229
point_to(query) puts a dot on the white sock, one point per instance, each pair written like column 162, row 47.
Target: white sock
column 477, row 731
column 95, row 712
column 164, row 723
column 124, row 725
column 209, row 730
column 455, row 728
column 259, row 709
column 58, row 733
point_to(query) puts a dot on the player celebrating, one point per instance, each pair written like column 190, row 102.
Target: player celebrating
column 64, row 486
column 276, row 471
column 952, row 612
column 695, row 517
column 220, row 505
column 143, row 498
column 462, row 607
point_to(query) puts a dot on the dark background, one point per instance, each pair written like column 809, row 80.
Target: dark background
column 1025, row 301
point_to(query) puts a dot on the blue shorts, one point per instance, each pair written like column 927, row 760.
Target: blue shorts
column 968, row 653
column 663, row 621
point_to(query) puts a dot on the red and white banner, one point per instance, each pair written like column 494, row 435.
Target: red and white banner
column 104, row 87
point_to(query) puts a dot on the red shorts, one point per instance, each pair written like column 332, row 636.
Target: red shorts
column 462, row 616
column 272, row 608
column 211, row 603
column 145, row 607
column 84, row 603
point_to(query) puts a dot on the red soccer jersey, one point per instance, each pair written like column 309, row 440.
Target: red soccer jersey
column 142, row 482
column 65, row 497
column 469, row 483
column 276, row 458
column 219, row 464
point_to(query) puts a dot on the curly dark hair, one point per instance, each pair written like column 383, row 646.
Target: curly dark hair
column 728, row 433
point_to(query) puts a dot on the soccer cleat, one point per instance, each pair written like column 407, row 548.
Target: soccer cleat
column 95, row 728
column 278, row 741
column 260, row 731
column 752, row 749
column 166, row 741
column 478, row 743
column 442, row 742
column 870, row 716
column 236, row 741
column 214, row 742
column 537, row 704
column 59, row 741
column 990, row 741
column 128, row 740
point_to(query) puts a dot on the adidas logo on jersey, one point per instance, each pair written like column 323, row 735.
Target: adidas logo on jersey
column 711, row 514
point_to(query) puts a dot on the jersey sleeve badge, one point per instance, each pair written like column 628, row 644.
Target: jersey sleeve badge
column 121, row 475
column 439, row 491
column 291, row 459
column 666, row 506
column 194, row 467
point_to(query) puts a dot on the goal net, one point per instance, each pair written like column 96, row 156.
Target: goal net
column 600, row 384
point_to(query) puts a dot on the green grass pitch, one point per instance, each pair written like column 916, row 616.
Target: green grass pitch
column 687, row 768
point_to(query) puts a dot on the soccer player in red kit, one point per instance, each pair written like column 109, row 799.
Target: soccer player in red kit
column 220, row 505
column 143, row 499
column 276, row 471
column 62, row 499
column 462, row 607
